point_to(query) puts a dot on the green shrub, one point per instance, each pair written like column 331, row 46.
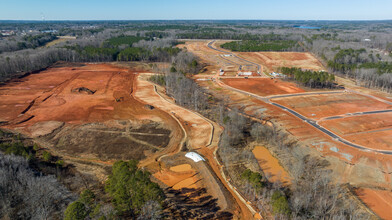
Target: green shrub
column 280, row 204
column 60, row 163
column 75, row 211
column 35, row 147
column 46, row 156
column 16, row 148
column 254, row 178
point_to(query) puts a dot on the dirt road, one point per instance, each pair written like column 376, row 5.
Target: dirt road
column 200, row 132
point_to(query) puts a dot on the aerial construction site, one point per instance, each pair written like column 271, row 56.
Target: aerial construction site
column 146, row 126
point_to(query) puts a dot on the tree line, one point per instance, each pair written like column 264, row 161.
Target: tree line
column 312, row 79
column 132, row 196
column 255, row 46
column 313, row 194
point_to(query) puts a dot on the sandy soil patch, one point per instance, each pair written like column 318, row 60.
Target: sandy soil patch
column 200, row 131
column 179, row 177
column 45, row 128
column 270, row 165
column 380, row 201
column 263, row 86
column 181, row 168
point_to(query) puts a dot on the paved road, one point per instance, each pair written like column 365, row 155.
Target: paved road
column 356, row 114
column 226, row 52
column 305, row 119
column 303, row 94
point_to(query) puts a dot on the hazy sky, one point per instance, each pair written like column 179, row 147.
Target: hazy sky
column 195, row 9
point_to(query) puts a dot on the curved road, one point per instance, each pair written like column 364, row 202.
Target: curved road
column 303, row 118
column 227, row 52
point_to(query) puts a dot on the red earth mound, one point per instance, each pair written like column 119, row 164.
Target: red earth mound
column 74, row 94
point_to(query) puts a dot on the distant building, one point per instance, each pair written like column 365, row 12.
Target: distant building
column 245, row 73
column 274, row 74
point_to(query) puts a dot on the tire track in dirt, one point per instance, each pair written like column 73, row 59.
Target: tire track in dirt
column 211, row 162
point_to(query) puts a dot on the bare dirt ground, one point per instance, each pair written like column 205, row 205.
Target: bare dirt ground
column 380, row 201
column 320, row 106
column 215, row 60
column 373, row 131
column 203, row 136
column 359, row 168
column 86, row 113
column 270, row 166
column 273, row 60
column 263, row 86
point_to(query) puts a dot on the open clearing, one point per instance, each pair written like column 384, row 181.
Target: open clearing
column 59, row 40
column 179, row 177
column 326, row 105
column 263, row 86
column 87, row 110
column 334, row 111
column 270, row 166
column 380, row 201
column 271, row 61
column 373, row 131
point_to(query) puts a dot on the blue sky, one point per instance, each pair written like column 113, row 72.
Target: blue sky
column 195, row 9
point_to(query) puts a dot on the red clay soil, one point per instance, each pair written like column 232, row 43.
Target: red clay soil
column 312, row 137
column 379, row 201
column 320, row 106
column 178, row 177
column 271, row 166
column 73, row 94
column 263, row 86
column 372, row 131
column 273, row 60
column 359, row 124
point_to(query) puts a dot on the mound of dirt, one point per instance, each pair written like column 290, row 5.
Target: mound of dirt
column 83, row 90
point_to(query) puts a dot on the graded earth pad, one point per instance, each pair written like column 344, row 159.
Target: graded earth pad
column 379, row 201
column 273, row 60
column 270, row 166
column 263, row 86
column 87, row 110
column 373, row 131
column 326, row 105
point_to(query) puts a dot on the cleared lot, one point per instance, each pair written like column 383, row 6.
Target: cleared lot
column 263, row 86
column 271, row 61
column 327, row 105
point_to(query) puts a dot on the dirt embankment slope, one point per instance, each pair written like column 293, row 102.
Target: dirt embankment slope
column 203, row 138
column 87, row 111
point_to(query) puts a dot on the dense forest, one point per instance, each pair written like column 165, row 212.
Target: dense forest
column 132, row 195
column 255, row 46
column 310, row 78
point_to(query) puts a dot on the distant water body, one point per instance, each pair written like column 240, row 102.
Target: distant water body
column 307, row 27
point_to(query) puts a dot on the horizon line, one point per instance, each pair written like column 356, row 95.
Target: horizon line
column 390, row 19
